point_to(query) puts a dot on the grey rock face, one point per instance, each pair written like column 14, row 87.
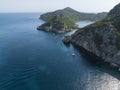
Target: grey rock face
column 67, row 40
column 58, row 24
column 102, row 39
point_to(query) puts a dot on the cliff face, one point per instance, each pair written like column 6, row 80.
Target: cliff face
column 101, row 41
column 102, row 38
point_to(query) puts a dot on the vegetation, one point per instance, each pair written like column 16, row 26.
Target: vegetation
column 97, row 24
column 115, row 11
column 59, row 21
column 64, row 20
column 58, row 24
column 113, row 21
column 73, row 15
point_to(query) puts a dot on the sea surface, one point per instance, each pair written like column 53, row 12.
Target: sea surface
column 37, row 60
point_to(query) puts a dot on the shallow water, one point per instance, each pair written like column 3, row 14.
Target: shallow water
column 37, row 60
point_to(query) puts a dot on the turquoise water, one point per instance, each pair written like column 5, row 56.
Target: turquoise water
column 84, row 23
column 37, row 60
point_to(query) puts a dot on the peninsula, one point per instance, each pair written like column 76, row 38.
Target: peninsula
column 64, row 20
column 101, row 38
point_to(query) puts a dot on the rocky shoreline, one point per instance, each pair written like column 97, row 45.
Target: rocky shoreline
column 64, row 20
column 101, row 38
column 58, row 24
column 54, row 30
column 67, row 42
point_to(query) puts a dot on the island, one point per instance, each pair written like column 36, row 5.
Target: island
column 101, row 38
column 64, row 20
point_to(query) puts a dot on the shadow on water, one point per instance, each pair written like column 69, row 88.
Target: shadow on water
column 25, row 65
column 98, row 62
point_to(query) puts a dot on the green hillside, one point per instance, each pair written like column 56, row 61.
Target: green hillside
column 73, row 15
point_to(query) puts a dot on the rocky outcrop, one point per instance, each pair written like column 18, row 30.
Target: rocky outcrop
column 58, row 24
column 64, row 20
column 101, row 38
column 67, row 40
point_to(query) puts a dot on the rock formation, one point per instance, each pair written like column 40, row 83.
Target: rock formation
column 58, row 24
column 101, row 38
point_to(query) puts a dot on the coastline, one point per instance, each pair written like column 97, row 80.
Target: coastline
column 95, row 58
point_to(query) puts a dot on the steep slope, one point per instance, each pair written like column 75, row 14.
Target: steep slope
column 64, row 20
column 101, row 38
column 74, row 15
column 58, row 24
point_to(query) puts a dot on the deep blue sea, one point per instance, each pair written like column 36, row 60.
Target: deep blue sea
column 37, row 60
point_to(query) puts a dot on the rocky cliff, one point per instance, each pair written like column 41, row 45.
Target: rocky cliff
column 101, row 38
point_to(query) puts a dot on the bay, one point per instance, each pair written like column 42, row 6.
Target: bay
column 37, row 60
